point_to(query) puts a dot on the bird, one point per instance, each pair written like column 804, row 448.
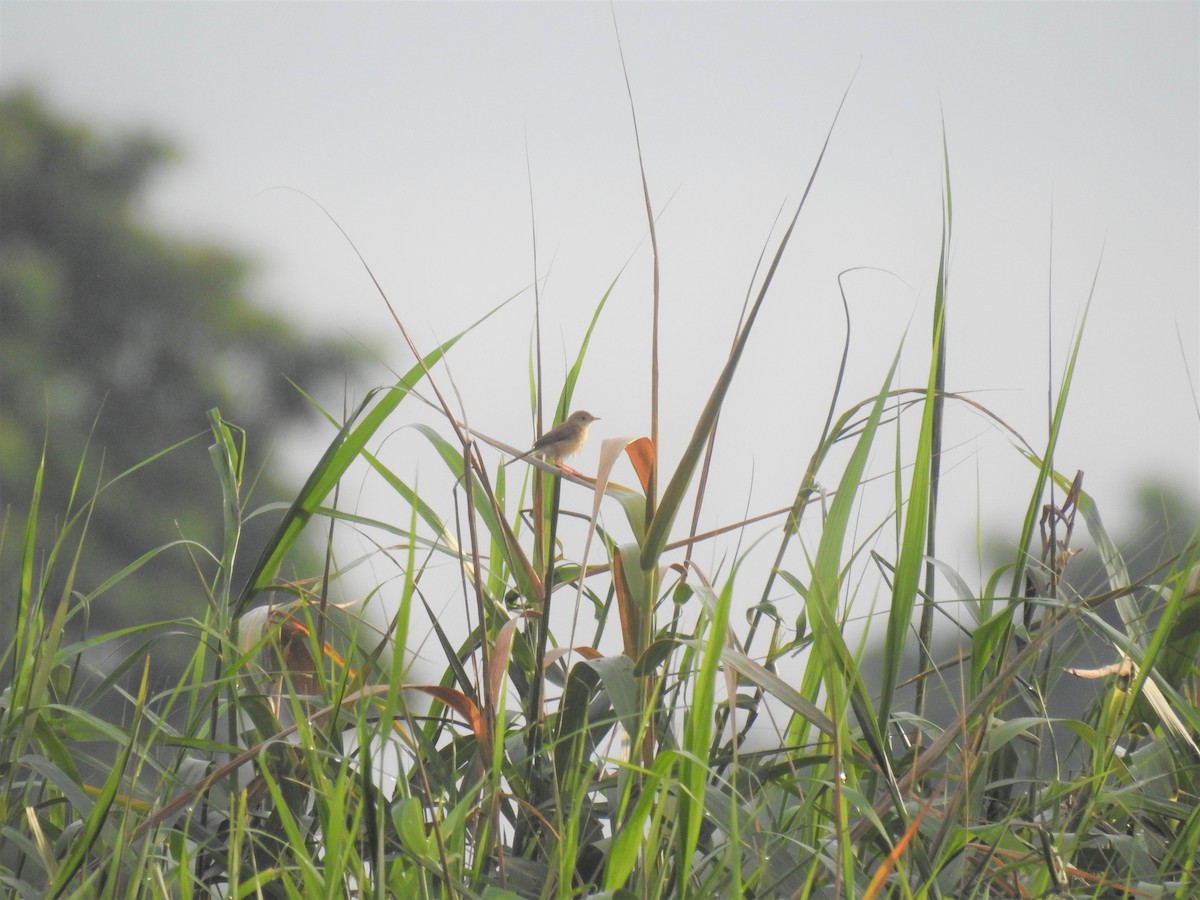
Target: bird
column 562, row 440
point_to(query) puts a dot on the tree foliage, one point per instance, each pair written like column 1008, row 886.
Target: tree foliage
column 115, row 340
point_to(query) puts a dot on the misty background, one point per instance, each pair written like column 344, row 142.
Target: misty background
column 443, row 137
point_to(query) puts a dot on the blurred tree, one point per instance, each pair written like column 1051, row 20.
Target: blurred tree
column 106, row 323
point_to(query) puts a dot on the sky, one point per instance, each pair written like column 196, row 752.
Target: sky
column 443, row 136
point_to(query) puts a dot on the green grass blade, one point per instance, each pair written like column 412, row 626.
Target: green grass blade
column 919, row 511
column 672, row 499
column 97, row 817
column 697, row 735
column 1046, row 466
column 341, row 453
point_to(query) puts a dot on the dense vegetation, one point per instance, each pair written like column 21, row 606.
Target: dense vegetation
column 296, row 755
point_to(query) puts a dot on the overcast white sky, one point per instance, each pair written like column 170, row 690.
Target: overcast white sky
column 1073, row 139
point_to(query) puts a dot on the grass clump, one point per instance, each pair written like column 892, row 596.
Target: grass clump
column 299, row 756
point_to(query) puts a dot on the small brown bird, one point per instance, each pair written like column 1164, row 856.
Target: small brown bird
column 562, row 440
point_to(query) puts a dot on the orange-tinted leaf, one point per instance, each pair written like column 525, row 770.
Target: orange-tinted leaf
column 460, row 703
column 498, row 664
column 641, row 455
column 556, row 653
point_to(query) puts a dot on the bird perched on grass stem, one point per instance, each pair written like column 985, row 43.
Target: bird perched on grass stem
column 562, row 440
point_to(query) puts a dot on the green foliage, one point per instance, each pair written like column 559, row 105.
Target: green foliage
column 115, row 340
column 676, row 752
